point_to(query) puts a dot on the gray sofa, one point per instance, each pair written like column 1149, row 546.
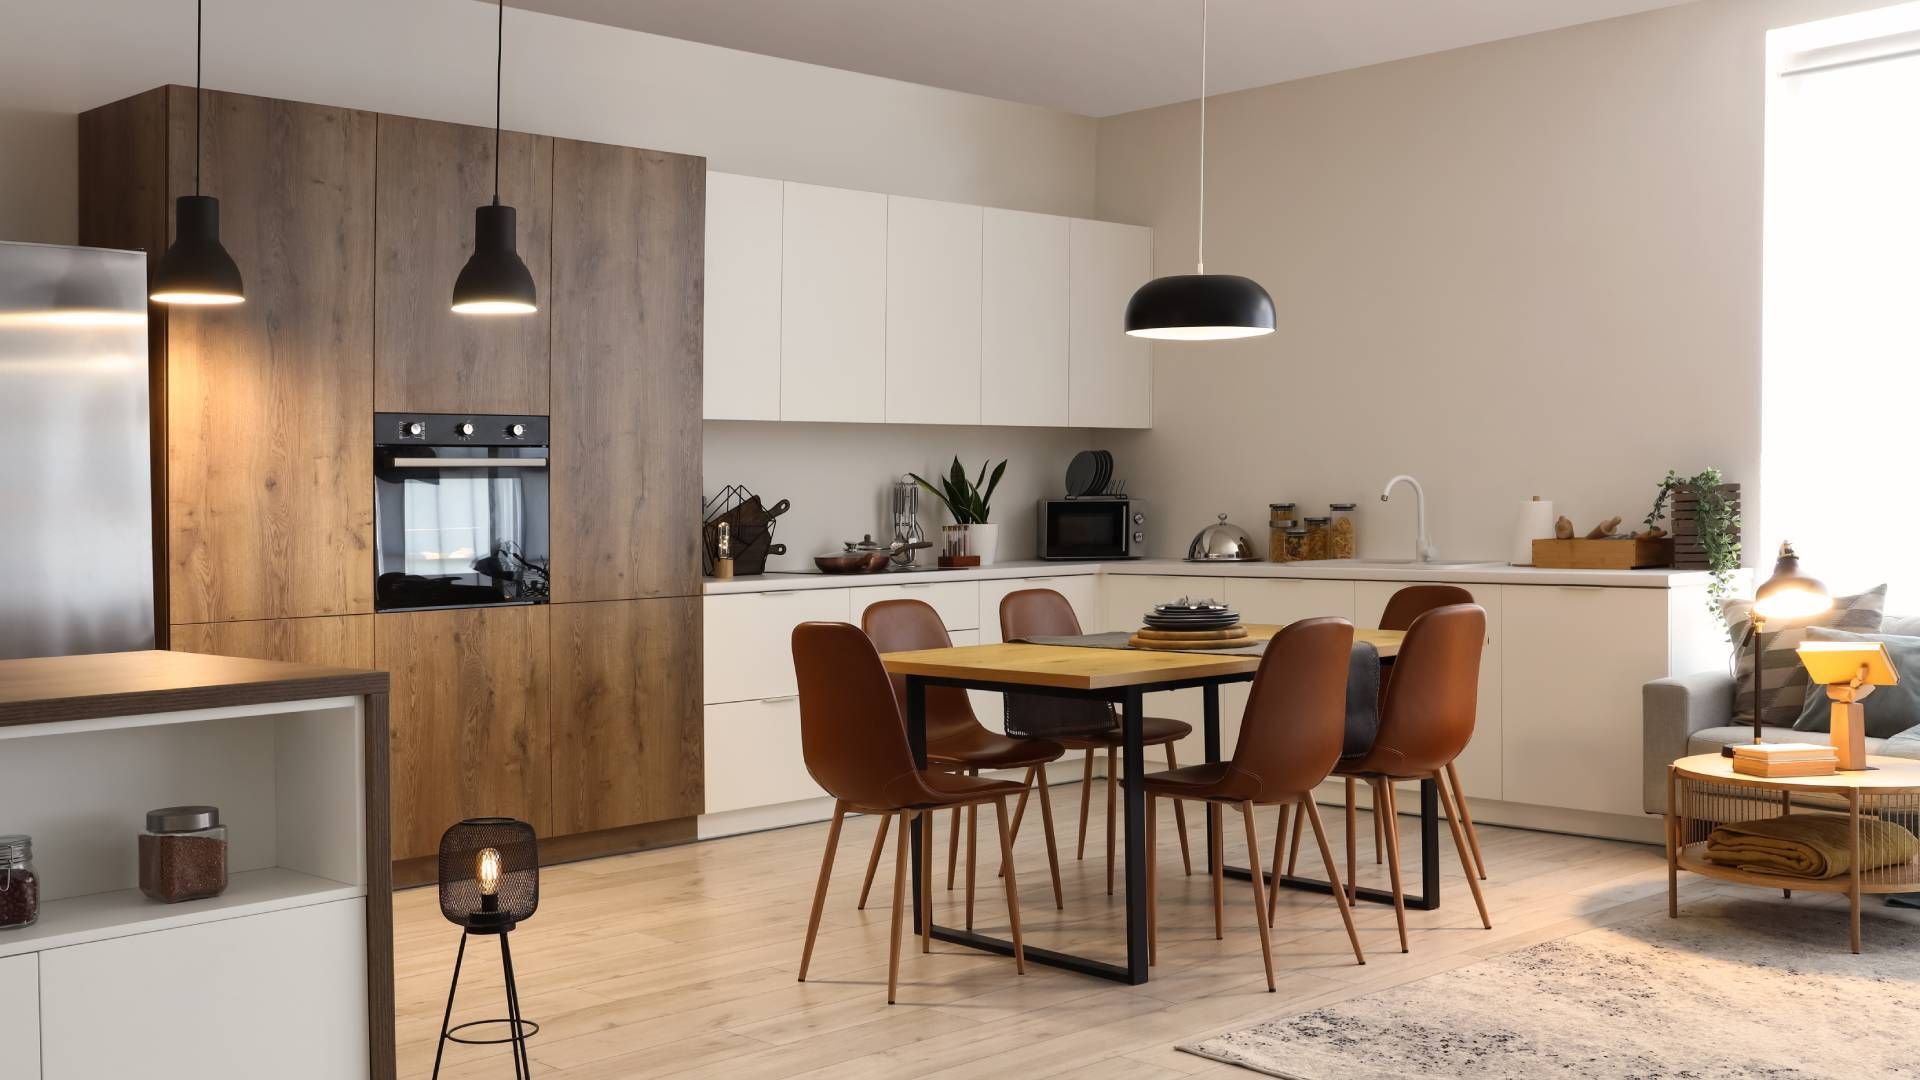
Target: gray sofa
column 1693, row 714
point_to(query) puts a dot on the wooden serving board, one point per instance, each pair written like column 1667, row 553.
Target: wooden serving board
column 1191, row 635
column 1139, row 642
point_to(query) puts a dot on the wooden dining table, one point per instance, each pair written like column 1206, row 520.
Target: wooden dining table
column 1123, row 677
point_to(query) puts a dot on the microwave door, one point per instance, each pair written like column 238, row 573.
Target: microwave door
column 1092, row 531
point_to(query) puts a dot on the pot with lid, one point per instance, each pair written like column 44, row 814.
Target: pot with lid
column 1222, row 541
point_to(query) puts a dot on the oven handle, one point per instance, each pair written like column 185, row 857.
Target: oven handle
column 469, row 463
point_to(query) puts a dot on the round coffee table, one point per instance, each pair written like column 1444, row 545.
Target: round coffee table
column 1704, row 791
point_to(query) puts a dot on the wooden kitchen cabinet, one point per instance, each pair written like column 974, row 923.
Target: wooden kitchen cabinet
column 1024, row 303
column 628, row 235
column 625, row 713
column 1111, row 374
column 468, row 711
column 431, row 177
column 932, row 312
column 330, row 641
column 833, row 311
column 742, row 298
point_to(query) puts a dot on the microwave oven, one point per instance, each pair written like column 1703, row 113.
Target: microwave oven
column 1092, row 528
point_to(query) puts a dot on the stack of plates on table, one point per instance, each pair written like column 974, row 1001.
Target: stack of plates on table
column 1190, row 624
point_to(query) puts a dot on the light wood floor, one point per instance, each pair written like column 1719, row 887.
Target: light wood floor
column 682, row 962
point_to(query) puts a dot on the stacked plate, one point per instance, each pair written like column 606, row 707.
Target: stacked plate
column 1089, row 473
column 1191, row 615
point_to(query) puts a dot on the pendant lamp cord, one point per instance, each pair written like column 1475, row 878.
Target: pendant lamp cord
column 199, row 14
column 1200, row 253
column 499, row 50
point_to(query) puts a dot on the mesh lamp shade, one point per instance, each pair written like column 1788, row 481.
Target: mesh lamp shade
column 489, row 874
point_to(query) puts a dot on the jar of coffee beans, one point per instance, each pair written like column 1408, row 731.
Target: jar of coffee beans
column 183, row 854
column 19, row 885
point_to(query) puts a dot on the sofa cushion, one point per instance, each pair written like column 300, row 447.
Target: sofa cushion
column 1783, row 682
column 1906, row 745
column 1890, row 710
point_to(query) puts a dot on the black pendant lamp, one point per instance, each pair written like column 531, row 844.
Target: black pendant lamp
column 495, row 281
column 196, row 269
column 1200, row 306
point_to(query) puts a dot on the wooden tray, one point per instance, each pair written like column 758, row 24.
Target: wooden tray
column 1190, row 635
column 1139, row 642
column 1628, row 554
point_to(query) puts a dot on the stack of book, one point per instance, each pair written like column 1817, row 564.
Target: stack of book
column 1785, row 759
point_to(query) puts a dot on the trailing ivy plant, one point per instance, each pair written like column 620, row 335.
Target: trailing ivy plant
column 968, row 502
column 1718, row 524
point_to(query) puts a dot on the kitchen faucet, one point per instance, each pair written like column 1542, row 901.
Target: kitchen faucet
column 1423, row 549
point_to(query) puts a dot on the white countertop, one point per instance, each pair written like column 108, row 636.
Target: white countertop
column 1485, row 574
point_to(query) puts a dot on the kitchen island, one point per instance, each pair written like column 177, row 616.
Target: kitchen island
column 289, row 972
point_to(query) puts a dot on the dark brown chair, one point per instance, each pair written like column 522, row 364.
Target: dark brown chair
column 956, row 739
column 1426, row 719
column 1290, row 739
column 1045, row 613
column 856, row 749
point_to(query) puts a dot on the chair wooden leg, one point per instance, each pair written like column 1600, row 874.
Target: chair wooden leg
column 820, row 890
column 1312, row 813
column 1180, row 816
column 1460, row 842
column 1020, row 807
column 1053, row 856
column 1259, row 900
column 1466, row 818
column 1153, row 878
column 1379, row 834
column 1214, row 822
column 1086, row 802
column 1113, row 789
column 1013, row 891
column 900, row 846
column 1383, row 797
column 973, row 834
column 873, row 860
column 953, row 848
column 1353, row 840
column 1293, row 853
column 1279, row 843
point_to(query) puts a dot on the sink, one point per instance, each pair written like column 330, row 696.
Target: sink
column 1404, row 564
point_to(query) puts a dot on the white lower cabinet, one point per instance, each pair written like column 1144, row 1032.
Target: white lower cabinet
column 753, row 755
column 281, row 995
column 958, row 602
column 748, row 639
column 1081, row 590
column 1573, row 662
column 20, row 1016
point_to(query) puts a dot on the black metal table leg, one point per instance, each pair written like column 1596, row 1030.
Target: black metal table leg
column 1429, row 847
column 1210, row 724
column 1133, row 718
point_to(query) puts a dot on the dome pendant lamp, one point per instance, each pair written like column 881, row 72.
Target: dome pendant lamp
column 196, row 269
column 1200, row 306
column 495, row 281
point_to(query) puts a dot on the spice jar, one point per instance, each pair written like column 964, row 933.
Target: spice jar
column 1281, row 515
column 1319, row 538
column 19, row 885
column 1294, row 544
column 183, row 854
column 1344, row 543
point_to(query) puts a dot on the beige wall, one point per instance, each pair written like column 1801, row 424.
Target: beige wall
column 745, row 113
column 1528, row 267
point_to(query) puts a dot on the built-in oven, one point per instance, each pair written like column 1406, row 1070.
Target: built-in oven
column 1094, row 527
column 460, row 510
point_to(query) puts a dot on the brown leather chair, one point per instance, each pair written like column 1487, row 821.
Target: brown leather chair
column 1046, row 613
column 856, row 749
column 1290, row 738
column 957, row 740
column 1426, row 719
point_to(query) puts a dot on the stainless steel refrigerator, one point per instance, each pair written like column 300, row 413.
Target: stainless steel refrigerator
column 76, row 569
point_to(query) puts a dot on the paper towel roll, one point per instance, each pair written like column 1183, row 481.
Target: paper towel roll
column 1535, row 522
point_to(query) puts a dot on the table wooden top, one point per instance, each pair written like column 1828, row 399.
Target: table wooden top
column 55, row 688
column 1883, row 774
column 1078, row 668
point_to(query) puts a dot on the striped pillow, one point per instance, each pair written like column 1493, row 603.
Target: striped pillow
column 1783, row 682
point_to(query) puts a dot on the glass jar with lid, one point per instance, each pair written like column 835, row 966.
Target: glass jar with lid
column 1282, row 515
column 19, row 885
column 1319, row 543
column 1293, row 544
column 1343, row 540
column 183, row 854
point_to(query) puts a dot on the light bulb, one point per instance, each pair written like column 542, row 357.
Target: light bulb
column 488, row 871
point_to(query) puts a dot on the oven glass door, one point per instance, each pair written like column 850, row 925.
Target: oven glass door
column 1089, row 530
column 460, row 526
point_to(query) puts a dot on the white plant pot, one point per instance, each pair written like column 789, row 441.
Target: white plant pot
column 986, row 541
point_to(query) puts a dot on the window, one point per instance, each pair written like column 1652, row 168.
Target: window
column 1840, row 385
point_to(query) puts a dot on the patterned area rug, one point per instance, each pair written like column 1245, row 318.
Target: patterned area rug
column 1732, row 988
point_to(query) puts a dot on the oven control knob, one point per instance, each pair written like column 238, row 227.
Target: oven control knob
column 1139, row 538
column 1139, row 519
column 516, row 431
column 465, row 430
column 414, row 429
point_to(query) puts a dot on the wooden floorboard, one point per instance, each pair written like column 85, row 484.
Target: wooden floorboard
column 682, row 962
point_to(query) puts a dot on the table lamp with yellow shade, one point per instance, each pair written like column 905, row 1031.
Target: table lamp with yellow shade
column 1788, row 594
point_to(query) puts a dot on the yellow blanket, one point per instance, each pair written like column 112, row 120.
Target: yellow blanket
column 1808, row 845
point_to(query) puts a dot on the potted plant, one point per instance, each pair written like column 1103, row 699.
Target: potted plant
column 971, row 539
column 1710, row 533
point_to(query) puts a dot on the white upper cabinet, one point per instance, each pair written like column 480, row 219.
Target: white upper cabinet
column 1111, row 373
column 742, row 371
column 833, row 310
column 933, row 312
column 1023, row 364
